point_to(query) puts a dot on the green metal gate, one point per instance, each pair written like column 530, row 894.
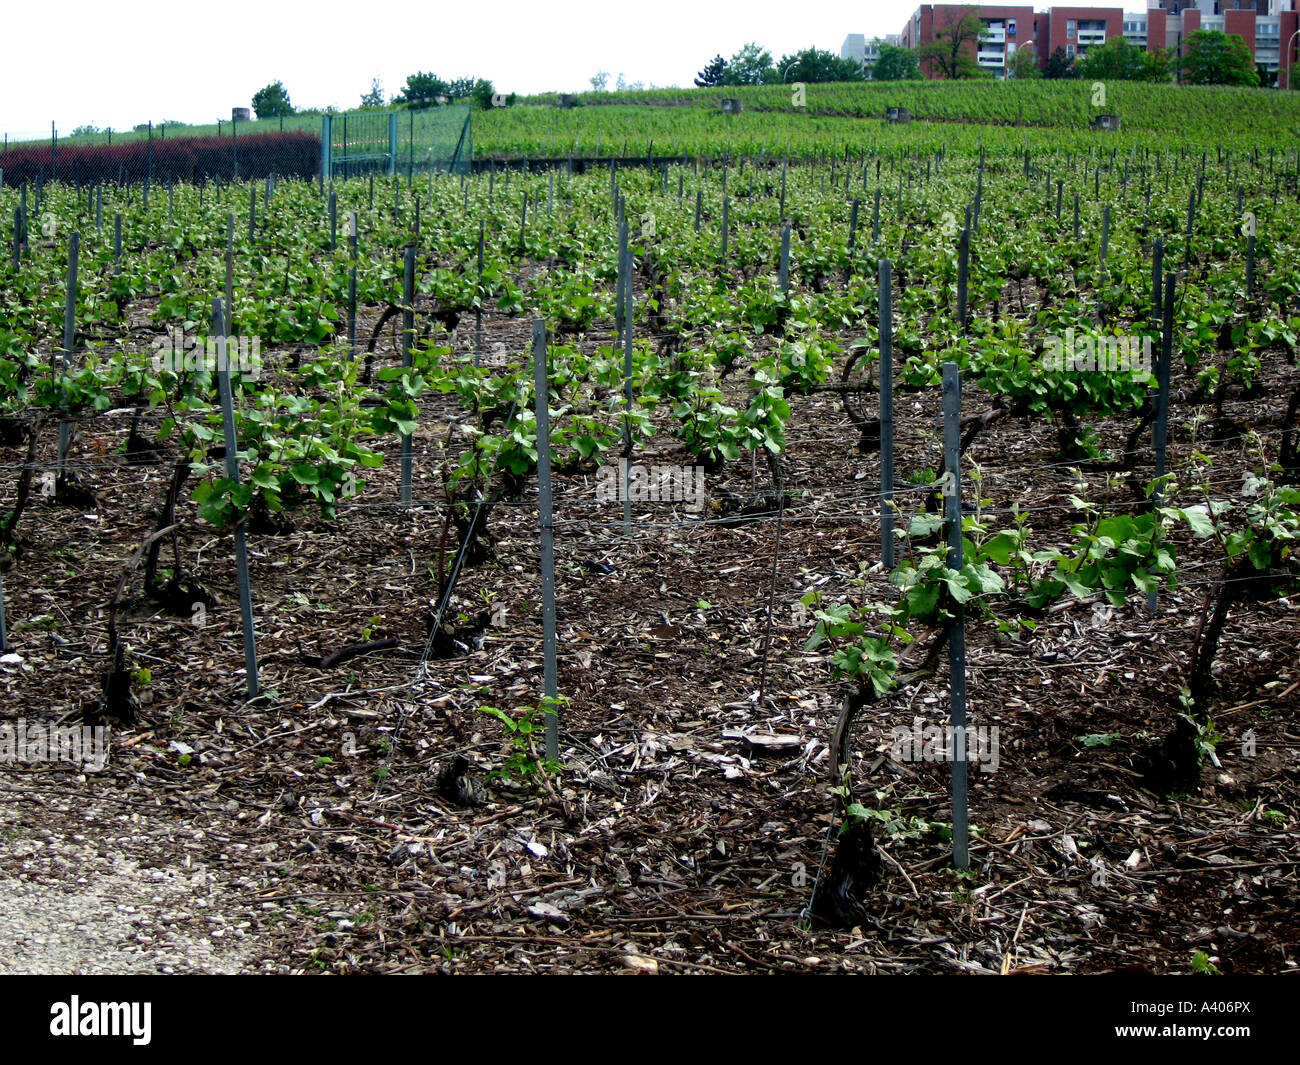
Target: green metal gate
column 359, row 143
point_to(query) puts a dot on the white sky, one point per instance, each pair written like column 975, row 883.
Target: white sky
column 121, row 64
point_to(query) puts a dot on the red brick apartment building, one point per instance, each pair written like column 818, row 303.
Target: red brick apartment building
column 1269, row 28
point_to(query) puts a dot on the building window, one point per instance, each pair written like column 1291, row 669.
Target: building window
column 1069, row 29
column 1069, row 51
column 1011, row 27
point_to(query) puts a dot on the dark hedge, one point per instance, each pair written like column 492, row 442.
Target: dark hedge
column 180, row 158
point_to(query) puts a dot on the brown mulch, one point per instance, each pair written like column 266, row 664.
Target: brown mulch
column 673, row 840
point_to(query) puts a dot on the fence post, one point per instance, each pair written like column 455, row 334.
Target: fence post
column 232, row 471
column 326, row 133
column 1157, row 265
column 783, row 270
column 627, row 384
column 621, row 283
column 352, row 286
column 963, row 276
column 392, row 143
column 69, row 335
column 408, row 329
column 478, row 303
column 957, row 626
column 542, row 390
column 230, row 271
column 886, row 333
column 1162, row 404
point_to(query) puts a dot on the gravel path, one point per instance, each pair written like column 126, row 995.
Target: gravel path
column 91, row 887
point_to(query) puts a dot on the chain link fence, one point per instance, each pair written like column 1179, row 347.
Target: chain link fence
column 307, row 145
column 412, row 141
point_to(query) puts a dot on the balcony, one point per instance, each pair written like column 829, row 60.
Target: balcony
column 994, row 36
column 1087, row 38
column 991, row 59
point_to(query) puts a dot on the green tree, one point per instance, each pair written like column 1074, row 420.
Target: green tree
column 1215, row 58
column 814, row 66
column 951, row 53
column 712, row 73
column 1024, row 67
column 484, row 92
column 895, row 64
column 375, row 97
column 599, row 81
column 272, row 101
column 1156, row 65
column 1059, row 65
column 422, row 89
column 460, row 88
column 752, row 65
column 1116, row 60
